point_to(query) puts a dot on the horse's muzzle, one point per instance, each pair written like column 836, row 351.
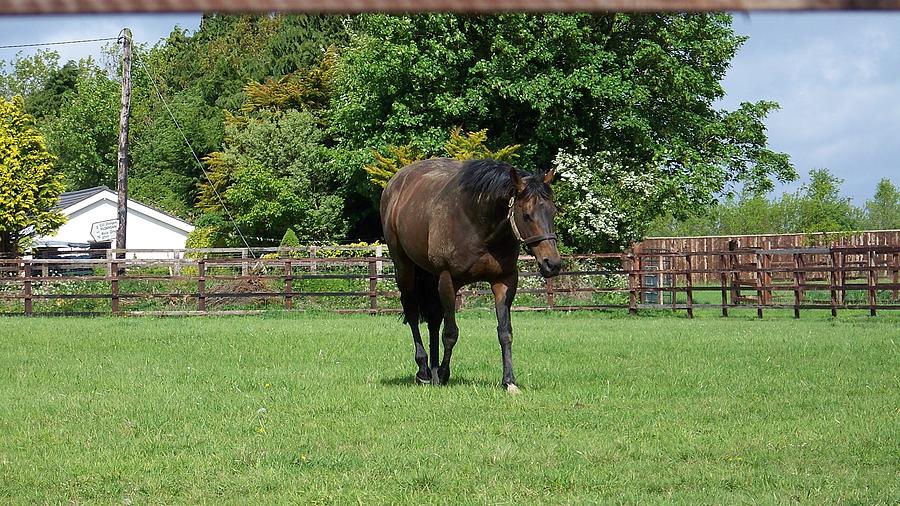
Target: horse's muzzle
column 550, row 268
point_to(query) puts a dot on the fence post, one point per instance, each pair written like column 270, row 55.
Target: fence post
column 872, row 281
column 245, row 267
column 26, row 287
column 760, row 281
column 379, row 265
column 628, row 264
column 109, row 256
column 312, row 255
column 659, row 282
column 842, row 278
column 288, row 285
column 373, row 287
column 735, row 279
column 114, row 287
column 723, row 278
column 896, row 276
column 177, row 256
column 548, row 287
column 688, row 281
column 833, row 274
column 201, row 284
column 798, row 294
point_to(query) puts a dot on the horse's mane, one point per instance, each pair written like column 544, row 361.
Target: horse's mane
column 491, row 179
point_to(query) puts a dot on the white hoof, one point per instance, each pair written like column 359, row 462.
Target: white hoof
column 512, row 389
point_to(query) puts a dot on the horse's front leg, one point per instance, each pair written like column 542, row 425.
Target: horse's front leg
column 504, row 292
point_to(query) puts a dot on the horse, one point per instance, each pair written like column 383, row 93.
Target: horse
column 449, row 223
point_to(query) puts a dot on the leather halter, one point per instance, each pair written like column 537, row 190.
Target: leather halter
column 512, row 222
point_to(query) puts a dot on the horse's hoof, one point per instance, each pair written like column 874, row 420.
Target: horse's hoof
column 423, row 380
column 512, row 389
column 443, row 375
column 435, row 377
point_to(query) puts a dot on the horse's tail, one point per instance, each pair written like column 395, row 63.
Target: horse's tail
column 426, row 299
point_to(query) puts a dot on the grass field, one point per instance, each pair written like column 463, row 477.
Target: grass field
column 322, row 409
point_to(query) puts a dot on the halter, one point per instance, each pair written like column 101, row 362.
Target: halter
column 512, row 222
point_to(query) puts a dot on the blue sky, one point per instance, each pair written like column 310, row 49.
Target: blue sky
column 836, row 76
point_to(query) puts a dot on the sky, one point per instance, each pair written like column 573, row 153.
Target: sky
column 836, row 76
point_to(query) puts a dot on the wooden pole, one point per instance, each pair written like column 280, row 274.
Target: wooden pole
column 548, row 288
column 201, row 285
column 688, row 281
column 122, row 164
column 797, row 281
column 26, row 287
column 288, row 285
column 833, row 260
column 760, row 283
column 628, row 264
column 373, row 287
column 114, row 287
column 872, row 280
column 723, row 277
column 895, row 279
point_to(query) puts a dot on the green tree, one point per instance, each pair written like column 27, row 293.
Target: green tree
column 273, row 174
column 84, row 133
column 203, row 76
column 27, row 75
column 290, row 240
column 633, row 90
column 883, row 211
column 29, row 187
column 822, row 207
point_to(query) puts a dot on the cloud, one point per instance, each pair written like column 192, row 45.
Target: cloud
column 837, row 78
column 147, row 28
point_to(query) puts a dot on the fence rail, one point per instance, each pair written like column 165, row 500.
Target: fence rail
column 825, row 278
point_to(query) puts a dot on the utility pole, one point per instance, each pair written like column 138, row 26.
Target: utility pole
column 122, row 165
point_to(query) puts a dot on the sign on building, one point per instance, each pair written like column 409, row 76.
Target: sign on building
column 102, row 231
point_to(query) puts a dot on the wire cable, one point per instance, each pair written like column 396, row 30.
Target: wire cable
column 196, row 158
column 83, row 41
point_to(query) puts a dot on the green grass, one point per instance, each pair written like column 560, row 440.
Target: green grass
column 322, row 409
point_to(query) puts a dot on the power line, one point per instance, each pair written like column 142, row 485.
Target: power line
column 82, row 41
column 196, row 158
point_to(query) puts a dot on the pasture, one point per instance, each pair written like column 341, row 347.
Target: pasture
column 321, row 408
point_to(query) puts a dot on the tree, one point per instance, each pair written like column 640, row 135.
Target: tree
column 883, row 211
column 203, row 77
column 461, row 146
column 821, row 206
column 29, row 187
column 633, row 91
column 29, row 74
column 273, row 174
column 84, row 133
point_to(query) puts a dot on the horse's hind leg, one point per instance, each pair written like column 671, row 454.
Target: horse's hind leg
column 447, row 294
column 434, row 334
column 406, row 282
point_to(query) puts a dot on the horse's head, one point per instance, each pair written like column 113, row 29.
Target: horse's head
column 531, row 213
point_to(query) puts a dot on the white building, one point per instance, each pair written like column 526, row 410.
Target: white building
column 92, row 219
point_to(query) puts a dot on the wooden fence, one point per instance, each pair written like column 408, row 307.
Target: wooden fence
column 832, row 278
column 712, row 244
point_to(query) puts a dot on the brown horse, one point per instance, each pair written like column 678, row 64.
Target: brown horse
column 449, row 223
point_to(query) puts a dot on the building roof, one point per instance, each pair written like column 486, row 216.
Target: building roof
column 69, row 199
column 70, row 202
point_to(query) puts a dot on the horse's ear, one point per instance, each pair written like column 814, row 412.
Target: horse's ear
column 548, row 176
column 517, row 180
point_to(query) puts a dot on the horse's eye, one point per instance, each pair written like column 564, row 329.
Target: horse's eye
column 527, row 217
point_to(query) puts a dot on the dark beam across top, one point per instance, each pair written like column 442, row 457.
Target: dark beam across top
column 351, row 6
